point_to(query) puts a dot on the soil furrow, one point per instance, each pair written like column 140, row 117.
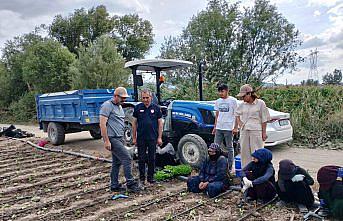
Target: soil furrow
column 60, row 200
column 17, row 189
column 42, row 175
column 123, row 210
column 48, row 190
column 24, row 162
column 19, row 159
column 41, row 168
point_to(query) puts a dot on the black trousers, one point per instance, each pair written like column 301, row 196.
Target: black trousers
column 297, row 192
column 146, row 155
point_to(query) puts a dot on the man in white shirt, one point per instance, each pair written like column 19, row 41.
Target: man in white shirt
column 225, row 108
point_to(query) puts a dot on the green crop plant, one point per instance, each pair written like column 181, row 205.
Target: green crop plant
column 169, row 172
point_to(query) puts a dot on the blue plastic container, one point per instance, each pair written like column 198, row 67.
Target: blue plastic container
column 238, row 165
column 340, row 174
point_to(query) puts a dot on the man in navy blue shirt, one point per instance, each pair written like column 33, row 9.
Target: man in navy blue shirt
column 147, row 132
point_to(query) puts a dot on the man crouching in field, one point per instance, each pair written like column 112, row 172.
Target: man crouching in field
column 112, row 130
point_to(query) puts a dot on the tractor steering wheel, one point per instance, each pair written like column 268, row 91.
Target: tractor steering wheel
column 167, row 101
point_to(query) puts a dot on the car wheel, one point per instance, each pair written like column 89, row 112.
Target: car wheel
column 56, row 133
column 192, row 150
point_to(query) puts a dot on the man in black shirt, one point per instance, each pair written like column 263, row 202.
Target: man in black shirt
column 147, row 132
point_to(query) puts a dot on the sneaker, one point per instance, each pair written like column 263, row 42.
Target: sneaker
column 118, row 189
column 302, row 208
column 134, row 188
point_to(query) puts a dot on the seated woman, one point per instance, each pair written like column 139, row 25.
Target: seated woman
column 331, row 189
column 258, row 176
column 212, row 178
column 293, row 185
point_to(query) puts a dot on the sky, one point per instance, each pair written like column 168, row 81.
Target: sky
column 320, row 23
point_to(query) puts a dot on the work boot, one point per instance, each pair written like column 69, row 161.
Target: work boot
column 134, row 188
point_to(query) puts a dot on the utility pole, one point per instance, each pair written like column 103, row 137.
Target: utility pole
column 202, row 67
column 313, row 73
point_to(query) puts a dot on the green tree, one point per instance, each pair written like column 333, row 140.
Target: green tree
column 240, row 46
column 45, row 66
column 333, row 78
column 99, row 66
column 82, row 27
column 310, row 82
column 133, row 35
column 266, row 44
column 12, row 83
column 4, row 88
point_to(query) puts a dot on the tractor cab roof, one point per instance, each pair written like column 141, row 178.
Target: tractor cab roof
column 160, row 64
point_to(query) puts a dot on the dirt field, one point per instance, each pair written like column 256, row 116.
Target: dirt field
column 311, row 159
column 38, row 185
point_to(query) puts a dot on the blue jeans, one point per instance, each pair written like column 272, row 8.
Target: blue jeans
column 219, row 138
column 120, row 156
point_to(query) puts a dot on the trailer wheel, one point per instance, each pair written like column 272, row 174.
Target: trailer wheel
column 96, row 134
column 56, row 133
column 192, row 150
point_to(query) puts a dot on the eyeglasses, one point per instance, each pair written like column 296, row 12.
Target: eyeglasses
column 123, row 98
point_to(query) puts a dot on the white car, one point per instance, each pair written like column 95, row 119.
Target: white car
column 279, row 129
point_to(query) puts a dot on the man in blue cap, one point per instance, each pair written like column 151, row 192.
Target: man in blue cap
column 212, row 178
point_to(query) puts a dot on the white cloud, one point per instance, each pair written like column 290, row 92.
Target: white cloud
column 136, row 5
column 316, row 13
column 13, row 24
column 326, row 3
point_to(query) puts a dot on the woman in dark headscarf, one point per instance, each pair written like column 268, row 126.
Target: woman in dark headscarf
column 258, row 176
column 331, row 189
column 212, row 178
column 293, row 185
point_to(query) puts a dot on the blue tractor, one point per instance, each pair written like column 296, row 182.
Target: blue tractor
column 188, row 125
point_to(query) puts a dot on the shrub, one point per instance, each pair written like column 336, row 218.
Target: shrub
column 315, row 111
column 23, row 110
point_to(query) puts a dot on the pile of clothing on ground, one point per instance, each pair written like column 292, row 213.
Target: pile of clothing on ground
column 12, row 131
